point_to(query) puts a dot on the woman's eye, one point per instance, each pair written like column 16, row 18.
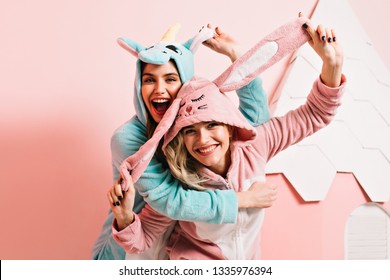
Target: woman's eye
column 171, row 80
column 188, row 131
column 147, row 81
column 211, row 125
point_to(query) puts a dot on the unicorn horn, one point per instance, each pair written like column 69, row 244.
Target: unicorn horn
column 169, row 36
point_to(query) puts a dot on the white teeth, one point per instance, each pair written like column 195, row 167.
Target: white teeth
column 160, row 100
column 208, row 149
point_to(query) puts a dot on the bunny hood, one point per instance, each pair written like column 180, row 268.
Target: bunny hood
column 202, row 100
column 160, row 53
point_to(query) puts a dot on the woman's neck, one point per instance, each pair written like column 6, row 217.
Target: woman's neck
column 223, row 167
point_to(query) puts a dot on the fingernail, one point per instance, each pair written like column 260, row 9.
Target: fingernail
column 323, row 38
column 330, row 39
column 304, row 25
column 114, row 204
column 117, row 203
column 120, row 198
column 334, row 39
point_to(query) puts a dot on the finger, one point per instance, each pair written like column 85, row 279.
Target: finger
column 334, row 35
column 329, row 35
column 311, row 31
column 122, row 182
column 321, row 33
column 111, row 199
column 131, row 184
column 115, row 200
column 218, row 30
column 118, row 191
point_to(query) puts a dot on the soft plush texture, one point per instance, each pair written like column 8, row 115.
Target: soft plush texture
column 241, row 240
column 281, row 42
column 157, row 186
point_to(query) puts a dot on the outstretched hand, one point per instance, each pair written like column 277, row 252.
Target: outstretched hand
column 224, row 44
column 325, row 43
column 122, row 204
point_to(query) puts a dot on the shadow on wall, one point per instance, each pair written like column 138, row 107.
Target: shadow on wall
column 53, row 174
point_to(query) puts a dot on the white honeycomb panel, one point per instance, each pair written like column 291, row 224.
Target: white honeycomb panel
column 358, row 140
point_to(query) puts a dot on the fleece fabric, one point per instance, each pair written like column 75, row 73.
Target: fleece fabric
column 250, row 151
column 157, row 186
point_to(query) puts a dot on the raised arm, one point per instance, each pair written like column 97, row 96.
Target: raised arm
column 135, row 233
column 253, row 101
column 325, row 43
column 322, row 102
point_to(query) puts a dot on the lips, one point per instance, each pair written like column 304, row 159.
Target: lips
column 205, row 151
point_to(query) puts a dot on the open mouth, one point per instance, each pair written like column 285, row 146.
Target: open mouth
column 161, row 105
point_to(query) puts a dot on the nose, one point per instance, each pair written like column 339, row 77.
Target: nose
column 159, row 88
column 204, row 136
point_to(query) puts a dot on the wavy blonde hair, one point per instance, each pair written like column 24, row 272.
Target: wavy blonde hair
column 181, row 163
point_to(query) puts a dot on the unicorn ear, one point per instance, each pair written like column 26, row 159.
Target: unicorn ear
column 131, row 46
column 281, row 42
column 136, row 164
column 204, row 34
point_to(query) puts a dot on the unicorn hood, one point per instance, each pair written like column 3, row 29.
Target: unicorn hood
column 160, row 53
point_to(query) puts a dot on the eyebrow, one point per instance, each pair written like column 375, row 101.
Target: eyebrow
column 189, row 126
column 167, row 74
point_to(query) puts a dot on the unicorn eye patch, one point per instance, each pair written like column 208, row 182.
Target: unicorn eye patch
column 173, row 48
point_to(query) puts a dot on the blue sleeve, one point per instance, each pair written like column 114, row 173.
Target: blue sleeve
column 105, row 247
column 253, row 102
column 166, row 195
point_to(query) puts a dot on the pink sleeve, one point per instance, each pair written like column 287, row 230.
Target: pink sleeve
column 318, row 111
column 140, row 235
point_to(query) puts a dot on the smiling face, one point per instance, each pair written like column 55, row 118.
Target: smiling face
column 159, row 87
column 208, row 143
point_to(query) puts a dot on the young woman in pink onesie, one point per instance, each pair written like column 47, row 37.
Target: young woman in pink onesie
column 209, row 145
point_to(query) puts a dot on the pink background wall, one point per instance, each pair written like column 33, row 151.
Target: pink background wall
column 65, row 85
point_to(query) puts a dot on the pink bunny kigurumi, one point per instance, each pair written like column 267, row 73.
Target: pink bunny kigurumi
column 201, row 100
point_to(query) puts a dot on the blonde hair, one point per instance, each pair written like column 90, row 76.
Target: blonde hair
column 182, row 165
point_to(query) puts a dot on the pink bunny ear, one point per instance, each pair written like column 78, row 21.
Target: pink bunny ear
column 136, row 164
column 281, row 42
